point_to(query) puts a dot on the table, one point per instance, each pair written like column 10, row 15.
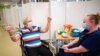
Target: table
column 68, row 37
column 60, row 40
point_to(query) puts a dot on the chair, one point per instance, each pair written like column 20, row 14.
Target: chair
column 24, row 52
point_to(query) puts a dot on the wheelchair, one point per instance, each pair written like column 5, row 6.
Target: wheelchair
column 45, row 44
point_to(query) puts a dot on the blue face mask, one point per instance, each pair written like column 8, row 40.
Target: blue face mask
column 85, row 26
column 30, row 25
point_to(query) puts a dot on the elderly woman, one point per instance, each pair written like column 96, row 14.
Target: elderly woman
column 88, row 43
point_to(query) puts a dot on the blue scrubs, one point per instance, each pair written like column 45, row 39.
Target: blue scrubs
column 90, row 41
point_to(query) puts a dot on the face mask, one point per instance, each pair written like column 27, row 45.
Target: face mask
column 85, row 26
column 30, row 24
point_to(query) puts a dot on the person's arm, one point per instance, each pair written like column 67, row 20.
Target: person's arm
column 13, row 35
column 46, row 28
column 71, row 43
column 90, row 44
column 79, row 49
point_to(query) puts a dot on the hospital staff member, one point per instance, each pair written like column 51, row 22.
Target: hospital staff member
column 31, row 37
column 88, row 43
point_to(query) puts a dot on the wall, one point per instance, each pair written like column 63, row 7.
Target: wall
column 58, row 14
column 11, row 16
column 61, row 13
column 76, row 11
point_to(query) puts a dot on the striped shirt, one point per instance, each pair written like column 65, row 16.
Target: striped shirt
column 31, row 38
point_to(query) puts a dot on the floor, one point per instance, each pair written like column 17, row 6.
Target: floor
column 7, row 47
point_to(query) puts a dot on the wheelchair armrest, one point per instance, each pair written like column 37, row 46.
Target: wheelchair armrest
column 45, row 42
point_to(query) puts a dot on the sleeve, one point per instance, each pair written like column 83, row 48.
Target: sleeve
column 19, row 32
column 92, row 43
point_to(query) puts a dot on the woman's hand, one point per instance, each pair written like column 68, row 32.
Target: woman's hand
column 64, row 46
column 66, row 50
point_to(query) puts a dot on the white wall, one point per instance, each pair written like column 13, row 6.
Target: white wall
column 58, row 14
column 11, row 16
column 14, row 16
column 7, row 15
column 76, row 11
column 20, row 16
